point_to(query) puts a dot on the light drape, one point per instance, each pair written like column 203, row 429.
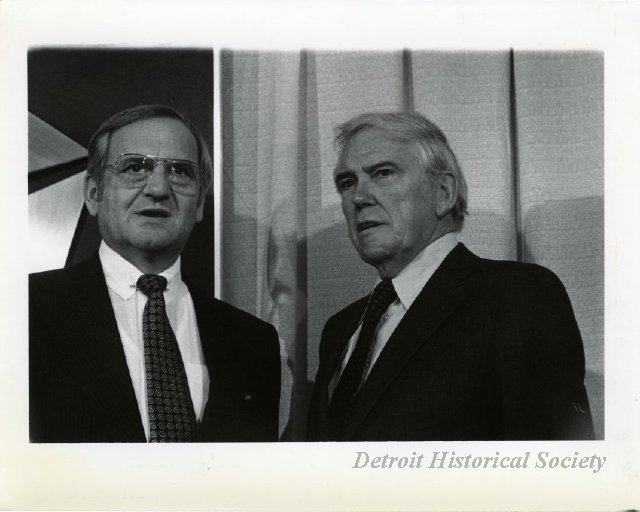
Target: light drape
column 560, row 107
column 527, row 129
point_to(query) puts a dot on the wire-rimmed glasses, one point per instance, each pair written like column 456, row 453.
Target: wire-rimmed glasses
column 133, row 170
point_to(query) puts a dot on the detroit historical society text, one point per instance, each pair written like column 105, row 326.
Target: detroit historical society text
column 453, row 460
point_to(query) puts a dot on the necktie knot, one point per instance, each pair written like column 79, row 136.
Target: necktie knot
column 151, row 283
column 383, row 295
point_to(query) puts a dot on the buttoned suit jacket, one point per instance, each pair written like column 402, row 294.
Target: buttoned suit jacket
column 489, row 350
column 80, row 389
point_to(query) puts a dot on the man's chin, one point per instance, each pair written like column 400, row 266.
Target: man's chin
column 156, row 244
column 374, row 255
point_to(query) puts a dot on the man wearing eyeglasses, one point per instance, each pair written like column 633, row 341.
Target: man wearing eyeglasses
column 121, row 348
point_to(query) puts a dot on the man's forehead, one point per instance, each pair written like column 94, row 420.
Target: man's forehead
column 371, row 146
column 160, row 136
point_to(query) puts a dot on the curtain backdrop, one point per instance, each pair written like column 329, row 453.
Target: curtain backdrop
column 527, row 129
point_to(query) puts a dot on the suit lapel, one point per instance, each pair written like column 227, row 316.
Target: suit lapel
column 337, row 338
column 208, row 330
column 440, row 297
column 205, row 317
column 211, row 330
column 342, row 335
column 102, row 366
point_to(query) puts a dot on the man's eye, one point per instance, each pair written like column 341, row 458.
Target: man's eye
column 133, row 168
column 181, row 170
column 383, row 172
column 345, row 184
column 184, row 171
column 177, row 170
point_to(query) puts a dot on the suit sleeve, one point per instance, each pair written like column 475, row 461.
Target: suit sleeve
column 317, row 417
column 49, row 385
column 541, row 366
column 257, row 419
column 38, row 382
column 272, row 362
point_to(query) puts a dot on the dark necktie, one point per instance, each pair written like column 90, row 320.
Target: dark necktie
column 352, row 377
column 171, row 414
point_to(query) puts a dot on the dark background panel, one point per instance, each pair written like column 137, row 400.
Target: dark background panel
column 76, row 89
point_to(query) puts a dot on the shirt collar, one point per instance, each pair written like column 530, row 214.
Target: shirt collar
column 412, row 278
column 121, row 275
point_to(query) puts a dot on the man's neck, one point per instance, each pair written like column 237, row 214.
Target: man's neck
column 148, row 263
column 390, row 269
column 153, row 267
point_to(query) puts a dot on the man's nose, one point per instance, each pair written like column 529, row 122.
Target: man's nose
column 362, row 195
column 158, row 183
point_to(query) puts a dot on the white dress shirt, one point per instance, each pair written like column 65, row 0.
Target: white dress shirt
column 128, row 305
column 408, row 285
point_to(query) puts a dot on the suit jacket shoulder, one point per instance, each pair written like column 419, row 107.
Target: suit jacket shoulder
column 513, row 275
column 230, row 317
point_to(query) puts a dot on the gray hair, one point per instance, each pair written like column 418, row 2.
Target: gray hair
column 411, row 127
column 99, row 144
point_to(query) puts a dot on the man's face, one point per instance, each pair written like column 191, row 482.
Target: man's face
column 151, row 222
column 388, row 200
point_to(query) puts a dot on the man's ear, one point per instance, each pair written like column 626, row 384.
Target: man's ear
column 91, row 195
column 200, row 211
column 447, row 194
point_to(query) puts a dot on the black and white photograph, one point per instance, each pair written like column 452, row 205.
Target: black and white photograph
column 344, row 275
column 490, row 351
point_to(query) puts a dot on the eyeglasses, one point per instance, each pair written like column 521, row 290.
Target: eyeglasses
column 134, row 171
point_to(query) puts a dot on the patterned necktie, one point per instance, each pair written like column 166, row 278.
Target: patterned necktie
column 353, row 375
column 171, row 415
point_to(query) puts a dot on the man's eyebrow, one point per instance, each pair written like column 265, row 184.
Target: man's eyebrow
column 342, row 173
column 368, row 169
column 384, row 163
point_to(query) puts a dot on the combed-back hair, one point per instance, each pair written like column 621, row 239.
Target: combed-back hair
column 99, row 144
column 412, row 127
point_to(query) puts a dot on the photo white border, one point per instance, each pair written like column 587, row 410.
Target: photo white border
column 304, row 476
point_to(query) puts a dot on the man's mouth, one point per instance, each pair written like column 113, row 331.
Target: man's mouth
column 367, row 224
column 154, row 213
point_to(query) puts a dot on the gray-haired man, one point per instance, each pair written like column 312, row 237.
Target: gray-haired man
column 448, row 346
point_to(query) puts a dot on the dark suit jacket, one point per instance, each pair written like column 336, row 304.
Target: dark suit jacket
column 79, row 384
column 489, row 350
